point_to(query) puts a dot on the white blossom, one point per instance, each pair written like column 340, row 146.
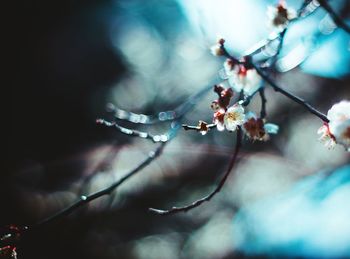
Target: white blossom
column 219, row 119
column 240, row 78
column 341, row 132
column 248, row 82
column 234, row 117
column 339, row 112
column 338, row 128
column 326, row 137
column 279, row 16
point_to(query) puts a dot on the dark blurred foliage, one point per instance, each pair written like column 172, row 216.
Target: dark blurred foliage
column 64, row 63
column 64, row 59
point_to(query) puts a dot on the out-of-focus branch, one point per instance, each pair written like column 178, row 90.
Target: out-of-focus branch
column 106, row 191
column 135, row 133
column 208, row 197
column 336, row 18
column 301, row 13
column 162, row 116
column 180, row 111
column 279, row 48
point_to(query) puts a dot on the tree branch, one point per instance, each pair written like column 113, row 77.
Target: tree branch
column 208, row 197
column 336, row 18
column 107, row 191
column 291, row 96
column 258, row 47
column 162, row 116
column 135, row 133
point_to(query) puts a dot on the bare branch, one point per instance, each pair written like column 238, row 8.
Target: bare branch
column 291, row 96
column 208, row 197
column 135, row 133
column 162, row 116
column 106, row 191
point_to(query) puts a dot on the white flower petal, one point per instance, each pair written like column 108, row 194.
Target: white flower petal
column 234, row 117
column 340, row 131
column 339, row 111
column 220, row 127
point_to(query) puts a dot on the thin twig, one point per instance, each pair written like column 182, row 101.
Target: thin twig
column 183, row 108
column 263, row 102
column 106, row 191
column 291, row 96
column 197, row 203
column 245, row 99
column 279, row 48
column 135, row 133
column 162, row 116
column 198, row 127
column 336, row 18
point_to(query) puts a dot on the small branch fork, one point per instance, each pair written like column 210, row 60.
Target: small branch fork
column 279, row 89
column 218, row 188
column 162, row 116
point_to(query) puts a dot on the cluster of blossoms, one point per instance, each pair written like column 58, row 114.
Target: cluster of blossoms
column 234, row 116
column 279, row 16
column 244, row 79
column 239, row 76
column 337, row 130
column 224, row 116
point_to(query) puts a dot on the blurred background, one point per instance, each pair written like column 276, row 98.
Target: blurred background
column 286, row 197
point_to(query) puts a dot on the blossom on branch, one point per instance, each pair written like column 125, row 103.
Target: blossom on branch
column 326, row 136
column 234, row 117
column 241, row 78
column 279, row 15
column 218, row 119
column 218, row 48
column 230, row 119
column 338, row 128
column 256, row 128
